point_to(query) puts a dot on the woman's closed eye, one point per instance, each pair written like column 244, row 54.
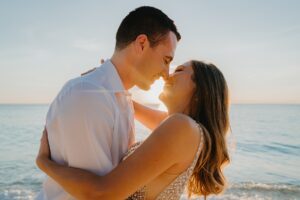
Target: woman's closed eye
column 178, row 70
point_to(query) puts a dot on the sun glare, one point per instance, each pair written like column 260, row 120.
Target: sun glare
column 151, row 97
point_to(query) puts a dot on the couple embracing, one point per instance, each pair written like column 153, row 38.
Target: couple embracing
column 88, row 148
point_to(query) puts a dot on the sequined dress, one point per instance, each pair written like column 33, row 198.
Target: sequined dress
column 175, row 189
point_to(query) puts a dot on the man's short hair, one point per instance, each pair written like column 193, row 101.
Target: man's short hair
column 145, row 20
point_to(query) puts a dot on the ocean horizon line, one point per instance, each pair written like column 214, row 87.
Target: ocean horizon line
column 32, row 104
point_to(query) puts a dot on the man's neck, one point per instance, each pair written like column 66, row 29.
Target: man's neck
column 123, row 67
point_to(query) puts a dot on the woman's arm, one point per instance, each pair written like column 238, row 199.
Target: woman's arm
column 77, row 182
column 149, row 117
column 169, row 144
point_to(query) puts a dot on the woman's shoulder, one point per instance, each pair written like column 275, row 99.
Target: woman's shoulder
column 184, row 134
column 182, row 130
column 184, row 123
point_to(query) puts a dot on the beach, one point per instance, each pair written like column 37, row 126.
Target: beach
column 264, row 145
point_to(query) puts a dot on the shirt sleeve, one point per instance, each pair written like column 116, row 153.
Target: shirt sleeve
column 80, row 131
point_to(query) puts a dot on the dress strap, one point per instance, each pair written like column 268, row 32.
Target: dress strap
column 200, row 146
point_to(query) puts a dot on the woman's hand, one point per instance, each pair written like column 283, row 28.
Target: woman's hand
column 44, row 151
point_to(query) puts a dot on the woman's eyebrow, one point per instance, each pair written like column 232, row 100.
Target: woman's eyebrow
column 179, row 67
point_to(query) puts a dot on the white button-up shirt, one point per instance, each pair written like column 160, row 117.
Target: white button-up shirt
column 90, row 125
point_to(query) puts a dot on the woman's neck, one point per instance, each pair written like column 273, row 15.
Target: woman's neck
column 178, row 109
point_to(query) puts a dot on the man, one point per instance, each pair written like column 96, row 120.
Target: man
column 90, row 123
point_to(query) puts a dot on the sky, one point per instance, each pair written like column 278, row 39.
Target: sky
column 256, row 44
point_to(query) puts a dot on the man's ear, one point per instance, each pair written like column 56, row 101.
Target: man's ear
column 141, row 42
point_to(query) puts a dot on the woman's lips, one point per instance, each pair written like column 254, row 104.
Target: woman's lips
column 167, row 85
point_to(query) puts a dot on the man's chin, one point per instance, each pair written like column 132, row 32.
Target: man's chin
column 145, row 87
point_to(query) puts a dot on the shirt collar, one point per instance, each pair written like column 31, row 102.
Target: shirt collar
column 113, row 78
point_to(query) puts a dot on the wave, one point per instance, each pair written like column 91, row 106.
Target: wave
column 266, row 187
column 17, row 193
column 257, row 191
column 237, row 191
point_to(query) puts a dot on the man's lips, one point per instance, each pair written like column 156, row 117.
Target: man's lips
column 156, row 77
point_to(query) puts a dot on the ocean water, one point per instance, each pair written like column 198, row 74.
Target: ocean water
column 264, row 147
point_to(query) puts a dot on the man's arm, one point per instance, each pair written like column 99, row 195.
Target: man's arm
column 149, row 117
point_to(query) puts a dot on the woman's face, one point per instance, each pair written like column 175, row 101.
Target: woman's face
column 179, row 88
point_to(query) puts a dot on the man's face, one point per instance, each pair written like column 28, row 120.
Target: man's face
column 155, row 62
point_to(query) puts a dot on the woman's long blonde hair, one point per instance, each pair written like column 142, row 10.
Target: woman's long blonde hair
column 210, row 108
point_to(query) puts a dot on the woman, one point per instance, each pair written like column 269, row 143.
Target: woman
column 186, row 148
